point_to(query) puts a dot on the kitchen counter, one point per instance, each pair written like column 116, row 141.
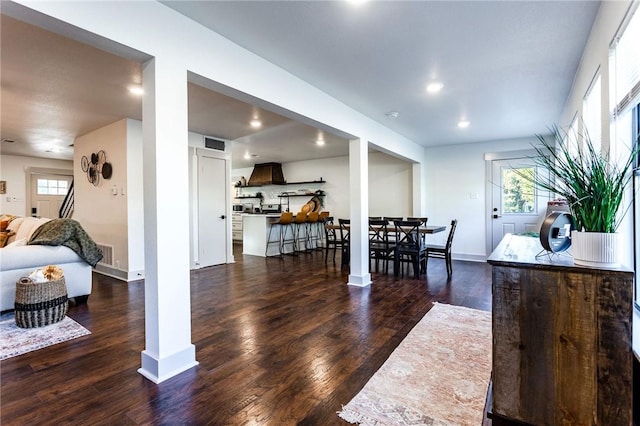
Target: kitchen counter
column 255, row 231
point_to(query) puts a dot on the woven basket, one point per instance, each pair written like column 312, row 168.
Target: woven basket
column 40, row 304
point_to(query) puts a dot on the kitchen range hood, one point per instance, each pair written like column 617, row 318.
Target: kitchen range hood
column 266, row 174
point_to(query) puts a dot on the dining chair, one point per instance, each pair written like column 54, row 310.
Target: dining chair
column 345, row 235
column 380, row 248
column 443, row 252
column 375, row 217
column 333, row 240
column 409, row 247
column 423, row 222
column 321, row 220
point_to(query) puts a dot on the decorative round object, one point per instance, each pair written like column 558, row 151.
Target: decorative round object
column 555, row 233
column 85, row 163
column 107, row 170
column 94, row 158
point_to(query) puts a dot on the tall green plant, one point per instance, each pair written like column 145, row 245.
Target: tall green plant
column 592, row 184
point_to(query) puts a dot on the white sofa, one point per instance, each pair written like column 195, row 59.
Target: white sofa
column 18, row 260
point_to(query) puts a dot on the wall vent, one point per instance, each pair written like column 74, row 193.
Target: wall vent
column 107, row 254
column 214, row 144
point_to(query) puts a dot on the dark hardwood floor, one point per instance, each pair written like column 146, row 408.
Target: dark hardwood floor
column 279, row 342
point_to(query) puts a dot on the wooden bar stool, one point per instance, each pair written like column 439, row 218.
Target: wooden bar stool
column 313, row 234
column 284, row 223
column 300, row 222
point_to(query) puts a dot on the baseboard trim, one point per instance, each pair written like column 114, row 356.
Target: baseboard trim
column 119, row 274
column 159, row 370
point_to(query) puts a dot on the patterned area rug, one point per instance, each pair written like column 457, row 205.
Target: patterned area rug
column 438, row 375
column 16, row 341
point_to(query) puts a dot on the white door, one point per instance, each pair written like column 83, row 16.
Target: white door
column 517, row 206
column 47, row 194
column 212, row 235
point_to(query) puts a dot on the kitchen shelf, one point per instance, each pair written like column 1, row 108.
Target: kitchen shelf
column 300, row 195
column 248, row 196
column 282, row 184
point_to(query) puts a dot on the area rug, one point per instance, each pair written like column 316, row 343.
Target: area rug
column 16, row 341
column 438, row 375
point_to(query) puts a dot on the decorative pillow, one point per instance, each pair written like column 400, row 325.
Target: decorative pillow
column 4, row 237
column 28, row 226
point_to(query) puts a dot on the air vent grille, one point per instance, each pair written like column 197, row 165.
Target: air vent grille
column 107, row 254
column 214, row 144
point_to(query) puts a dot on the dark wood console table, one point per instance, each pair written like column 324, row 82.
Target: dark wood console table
column 561, row 339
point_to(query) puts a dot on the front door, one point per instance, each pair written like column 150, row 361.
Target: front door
column 212, row 235
column 47, row 194
column 517, row 206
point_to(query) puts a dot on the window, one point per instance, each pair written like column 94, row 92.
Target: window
column 518, row 194
column 52, row 187
column 625, row 114
column 592, row 113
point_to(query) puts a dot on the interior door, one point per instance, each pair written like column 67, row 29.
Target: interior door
column 47, row 194
column 517, row 206
column 212, row 235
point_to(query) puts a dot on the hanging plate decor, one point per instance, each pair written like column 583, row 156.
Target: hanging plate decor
column 555, row 233
column 95, row 166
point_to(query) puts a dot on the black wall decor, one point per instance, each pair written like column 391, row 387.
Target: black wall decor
column 96, row 166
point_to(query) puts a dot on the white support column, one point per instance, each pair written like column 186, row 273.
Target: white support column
column 168, row 349
column 359, row 212
column 418, row 178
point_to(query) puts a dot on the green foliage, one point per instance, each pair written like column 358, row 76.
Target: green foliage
column 592, row 184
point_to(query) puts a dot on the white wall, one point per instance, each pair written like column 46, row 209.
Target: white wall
column 455, row 175
column 13, row 170
column 103, row 214
column 135, row 205
column 389, row 185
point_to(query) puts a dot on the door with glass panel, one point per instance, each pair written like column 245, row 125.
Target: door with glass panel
column 47, row 194
column 517, row 206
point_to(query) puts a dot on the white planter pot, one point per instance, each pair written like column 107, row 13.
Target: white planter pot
column 595, row 249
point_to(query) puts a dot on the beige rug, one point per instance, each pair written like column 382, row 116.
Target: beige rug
column 16, row 341
column 438, row 375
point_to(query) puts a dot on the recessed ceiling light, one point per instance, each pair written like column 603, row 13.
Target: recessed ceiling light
column 463, row 124
column 434, row 87
column 357, row 2
column 320, row 142
column 136, row 90
column 256, row 124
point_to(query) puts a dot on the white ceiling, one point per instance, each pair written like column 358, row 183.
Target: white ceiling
column 507, row 67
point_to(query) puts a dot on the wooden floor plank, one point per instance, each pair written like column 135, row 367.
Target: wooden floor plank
column 279, row 341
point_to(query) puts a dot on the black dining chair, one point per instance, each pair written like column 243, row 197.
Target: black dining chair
column 443, row 252
column 345, row 232
column 423, row 220
column 380, row 248
column 332, row 239
column 409, row 247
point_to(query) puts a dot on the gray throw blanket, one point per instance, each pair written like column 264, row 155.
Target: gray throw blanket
column 69, row 233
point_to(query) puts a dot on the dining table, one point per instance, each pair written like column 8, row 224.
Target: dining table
column 424, row 229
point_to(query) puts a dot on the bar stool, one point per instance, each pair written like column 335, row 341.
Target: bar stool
column 300, row 222
column 313, row 234
column 285, row 222
column 322, row 219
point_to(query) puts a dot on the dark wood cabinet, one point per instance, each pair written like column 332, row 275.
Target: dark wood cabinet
column 561, row 339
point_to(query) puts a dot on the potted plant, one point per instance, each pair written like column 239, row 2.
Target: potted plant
column 594, row 186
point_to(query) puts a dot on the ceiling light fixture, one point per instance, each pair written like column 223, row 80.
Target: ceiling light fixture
column 434, row 87
column 255, row 123
column 392, row 114
column 463, row 124
column 357, row 2
column 136, row 90
column 247, row 156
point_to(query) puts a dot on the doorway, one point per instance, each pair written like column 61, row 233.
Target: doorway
column 47, row 192
column 517, row 207
column 212, row 210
